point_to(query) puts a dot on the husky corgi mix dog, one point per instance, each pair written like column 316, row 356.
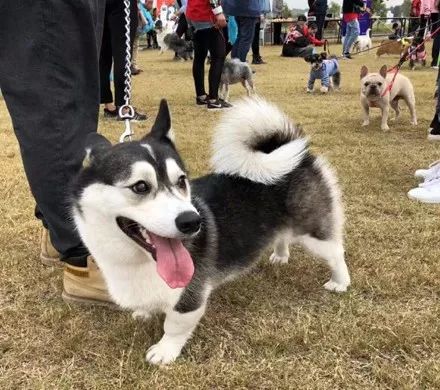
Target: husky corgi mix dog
column 164, row 242
column 235, row 71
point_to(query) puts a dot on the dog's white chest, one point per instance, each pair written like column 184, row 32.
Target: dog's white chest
column 139, row 286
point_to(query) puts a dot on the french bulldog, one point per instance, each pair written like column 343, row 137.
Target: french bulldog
column 375, row 92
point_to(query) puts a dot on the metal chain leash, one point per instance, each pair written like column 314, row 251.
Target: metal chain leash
column 126, row 111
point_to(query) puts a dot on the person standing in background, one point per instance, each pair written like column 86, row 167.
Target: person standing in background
column 429, row 13
column 318, row 9
column 206, row 17
column 256, row 57
column 350, row 13
column 247, row 13
column 113, row 51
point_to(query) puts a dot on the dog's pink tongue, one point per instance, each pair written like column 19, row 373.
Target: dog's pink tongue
column 174, row 263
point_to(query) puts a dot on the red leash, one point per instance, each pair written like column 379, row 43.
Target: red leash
column 402, row 60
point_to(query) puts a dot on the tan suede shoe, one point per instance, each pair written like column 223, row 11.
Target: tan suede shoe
column 86, row 285
column 49, row 255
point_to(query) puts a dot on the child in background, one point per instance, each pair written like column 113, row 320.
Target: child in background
column 299, row 39
column 397, row 32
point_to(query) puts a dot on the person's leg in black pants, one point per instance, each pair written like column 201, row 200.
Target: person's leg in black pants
column 51, row 89
column 423, row 22
column 256, row 57
column 217, row 49
column 208, row 39
column 198, row 69
column 436, row 38
column 320, row 20
column 246, row 29
column 105, row 66
column 115, row 20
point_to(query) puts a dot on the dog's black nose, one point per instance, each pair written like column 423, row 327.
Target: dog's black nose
column 188, row 222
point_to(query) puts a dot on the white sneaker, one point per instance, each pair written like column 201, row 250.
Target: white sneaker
column 432, row 171
column 427, row 192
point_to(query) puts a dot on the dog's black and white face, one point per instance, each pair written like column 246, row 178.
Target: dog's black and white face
column 138, row 194
column 158, row 25
column 316, row 60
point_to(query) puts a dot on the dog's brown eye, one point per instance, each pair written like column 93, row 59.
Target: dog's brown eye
column 367, row 84
column 181, row 182
column 141, row 187
column 379, row 84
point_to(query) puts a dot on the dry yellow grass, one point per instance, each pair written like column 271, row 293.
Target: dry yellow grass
column 276, row 328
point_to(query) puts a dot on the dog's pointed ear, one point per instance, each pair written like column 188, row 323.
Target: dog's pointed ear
column 308, row 58
column 95, row 144
column 161, row 129
column 383, row 71
column 323, row 55
column 364, row 71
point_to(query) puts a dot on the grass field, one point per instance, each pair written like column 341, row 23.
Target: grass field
column 276, row 328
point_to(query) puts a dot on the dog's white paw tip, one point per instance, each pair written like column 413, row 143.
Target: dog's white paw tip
column 275, row 259
column 336, row 287
column 140, row 315
column 385, row 128
column 162, row 353
column 365, row 124
column 414, row 123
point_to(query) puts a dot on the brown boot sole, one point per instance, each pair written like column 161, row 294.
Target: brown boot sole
column 88, row 302
column 51, row 261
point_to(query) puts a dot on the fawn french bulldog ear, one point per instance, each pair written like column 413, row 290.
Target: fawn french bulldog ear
column 383, row 71
column 364, row 71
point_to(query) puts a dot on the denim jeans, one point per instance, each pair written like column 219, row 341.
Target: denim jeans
column 246, row 29
column 351, row 34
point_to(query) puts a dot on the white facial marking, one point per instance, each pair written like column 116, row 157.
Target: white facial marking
column 174, row 172
column 140, row 170
column 150, row 150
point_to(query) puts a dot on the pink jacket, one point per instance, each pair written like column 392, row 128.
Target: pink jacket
column 428, row 7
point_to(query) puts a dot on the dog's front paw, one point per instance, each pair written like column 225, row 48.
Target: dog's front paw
column 336, row 287
column 163, row 353
column 385, row 127
column 324, row 89
column 309, row 90
column 276, row 259
column 365, row 123
column 414, row 122
column 141, row 315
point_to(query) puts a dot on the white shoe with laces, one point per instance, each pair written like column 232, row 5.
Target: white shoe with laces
column 430, row 172
column 429, row 190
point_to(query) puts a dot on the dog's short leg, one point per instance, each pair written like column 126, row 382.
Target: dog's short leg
column 178, row 328
column 410, row 101
column 141, row 314
column 280, row 253
column 395, row 106
column 333, row 252
column 366, row 112
column 385, row 111
column 221, row 90
column 226, row 94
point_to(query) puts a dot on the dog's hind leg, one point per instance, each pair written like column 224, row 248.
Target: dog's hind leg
column 333, row 252
column 411, row 102
column 395, row 106
column 280, row 253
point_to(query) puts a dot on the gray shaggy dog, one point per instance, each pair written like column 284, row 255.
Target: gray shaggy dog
column 235, row 71
column 184, row 49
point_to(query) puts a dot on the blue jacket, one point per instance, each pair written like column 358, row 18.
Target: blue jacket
column 329, row 68
column 252, row 8
column 150, row 23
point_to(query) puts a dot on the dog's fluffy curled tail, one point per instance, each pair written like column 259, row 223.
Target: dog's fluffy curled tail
column 257, row 141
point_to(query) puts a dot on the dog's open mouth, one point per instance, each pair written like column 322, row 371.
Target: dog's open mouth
column 174, row 263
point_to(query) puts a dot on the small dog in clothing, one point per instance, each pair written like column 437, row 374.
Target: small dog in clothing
column 326, row 70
